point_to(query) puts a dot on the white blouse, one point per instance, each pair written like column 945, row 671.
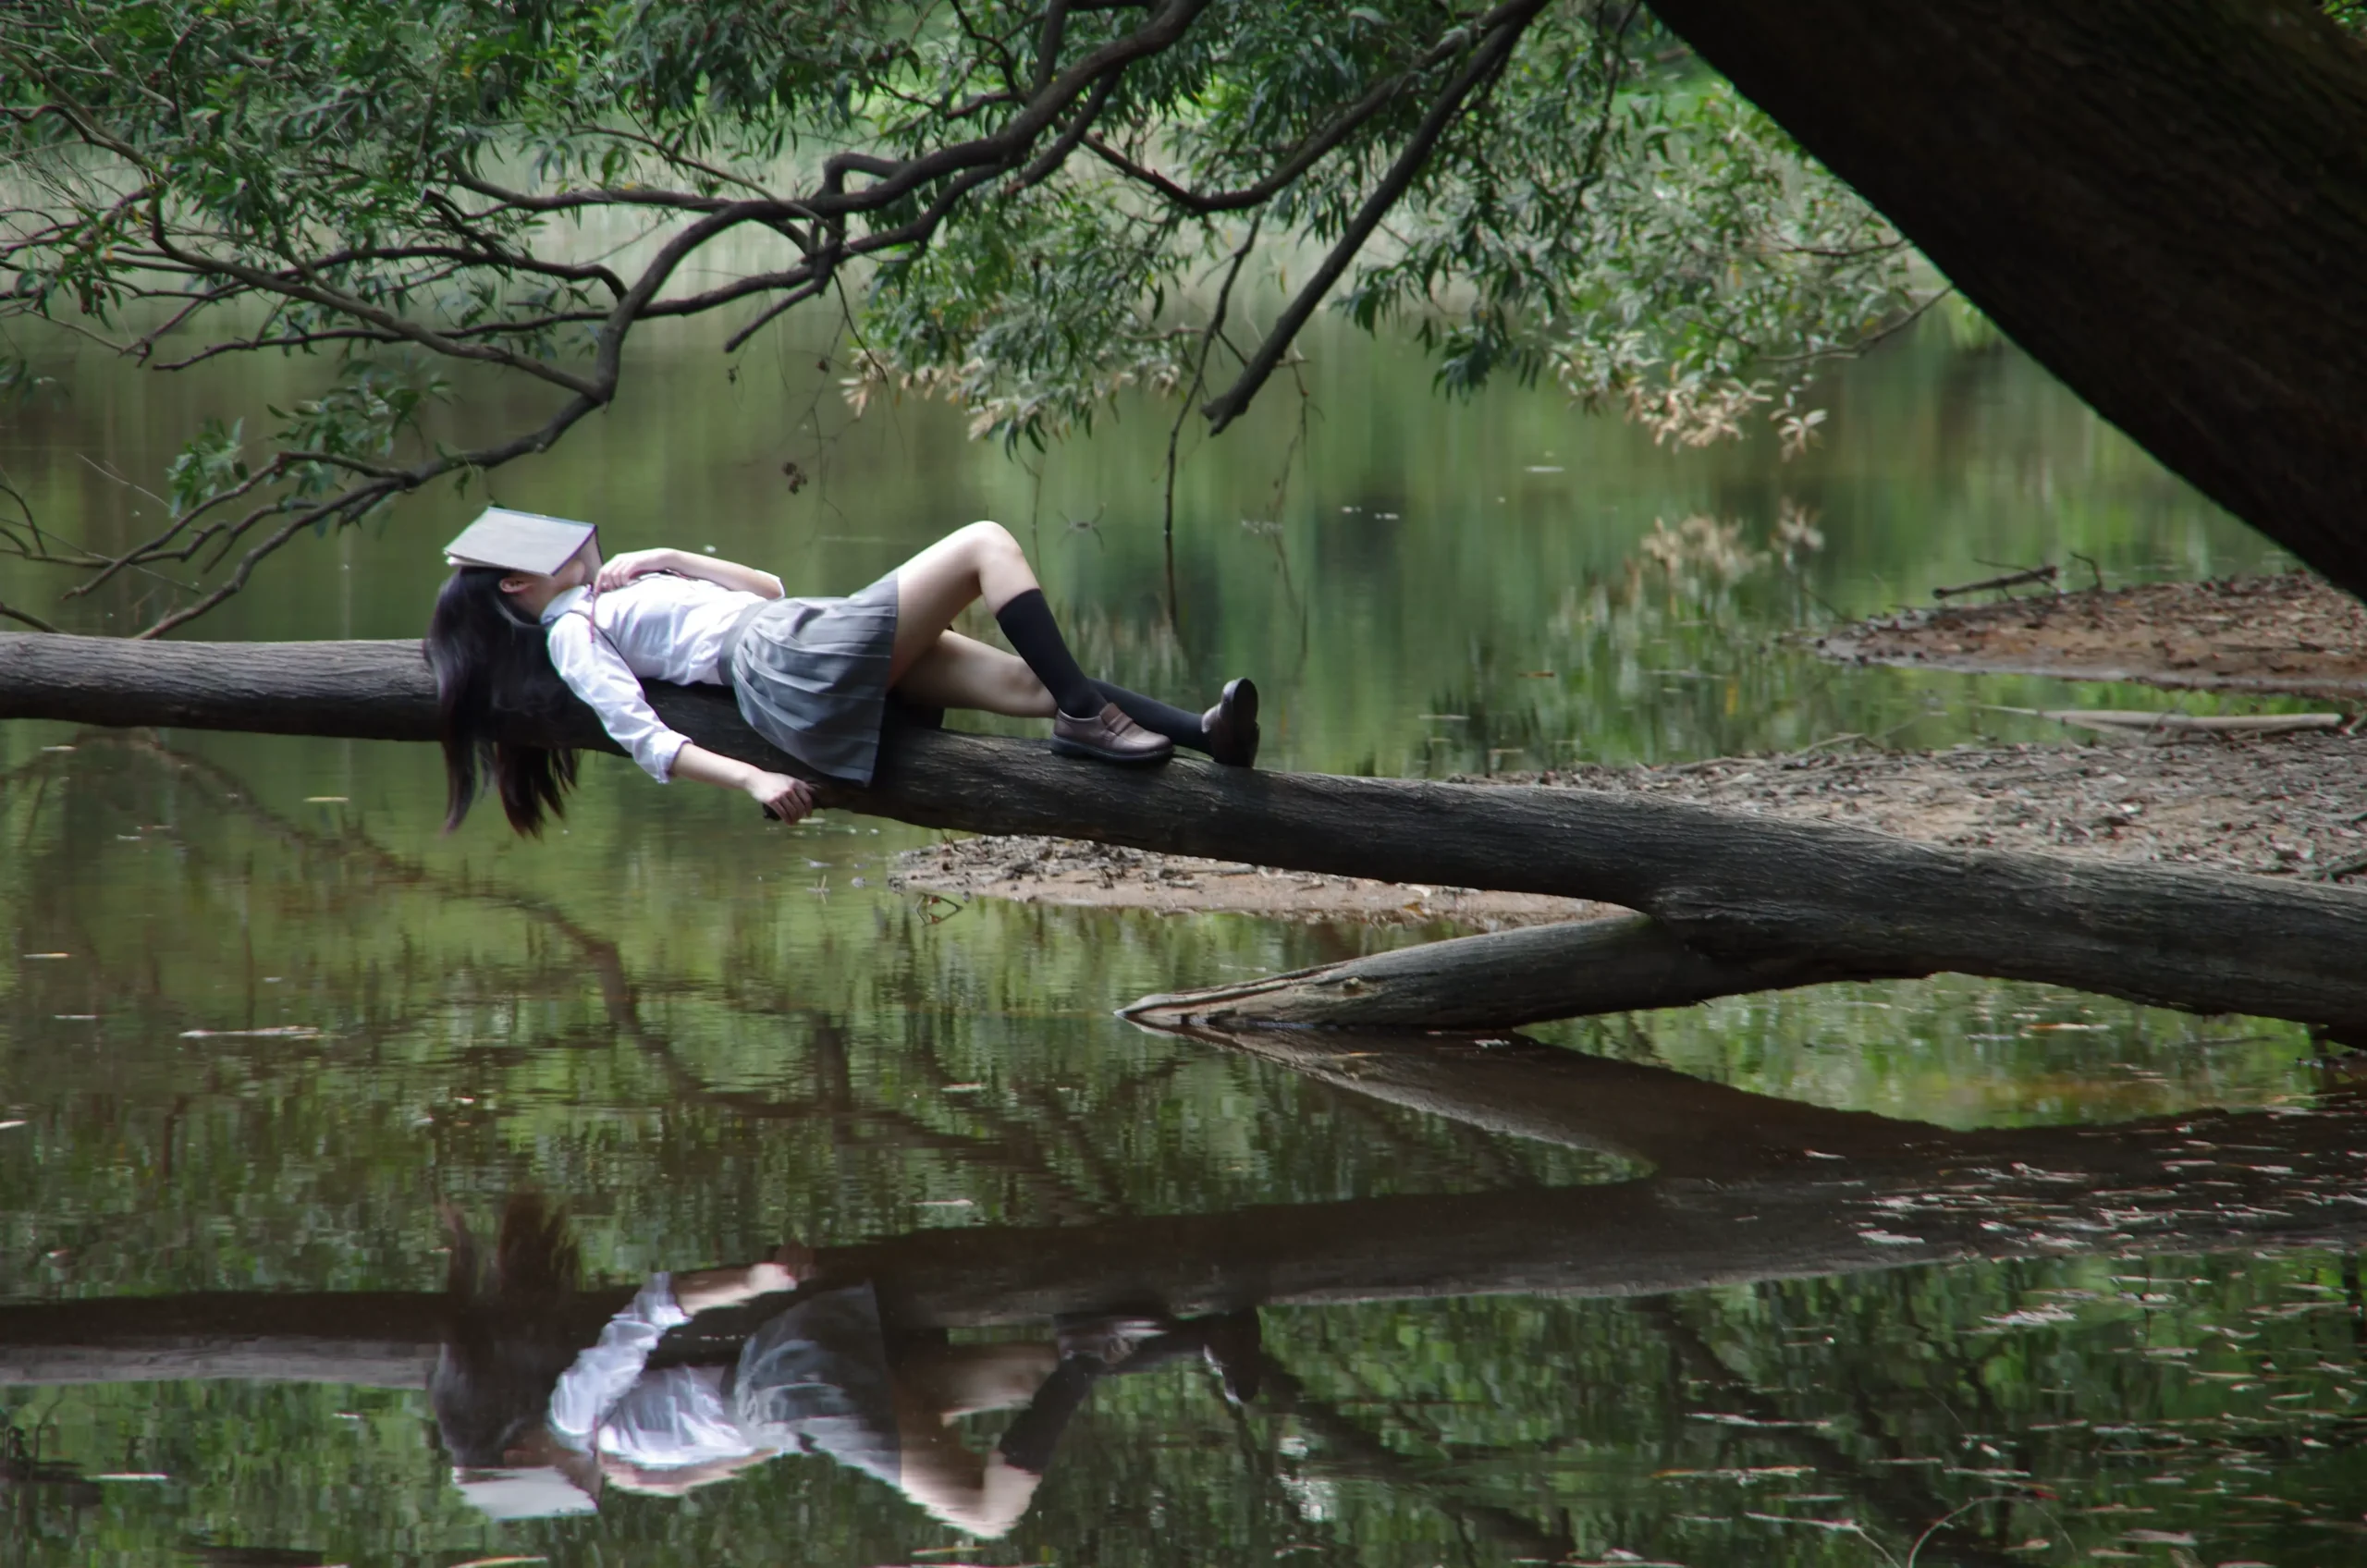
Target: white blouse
column 610, row 1401
column 660, row 627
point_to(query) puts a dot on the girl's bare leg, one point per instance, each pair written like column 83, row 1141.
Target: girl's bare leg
column 931, row 666
column 961, row 672
column 981, row 561
column 953, row 1381
column 983, row 1495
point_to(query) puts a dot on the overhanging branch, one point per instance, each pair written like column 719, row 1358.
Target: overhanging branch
column 1495, row 48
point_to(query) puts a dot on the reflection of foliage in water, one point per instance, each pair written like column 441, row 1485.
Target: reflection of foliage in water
column 1675, row 644
column 836, row 1069
column 1886, row 1399
column 1972, row 1053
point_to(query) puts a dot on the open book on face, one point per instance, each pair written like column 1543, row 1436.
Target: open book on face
column 514, row 540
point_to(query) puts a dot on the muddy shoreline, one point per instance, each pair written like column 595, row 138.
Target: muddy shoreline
column 1078, row 873
column 2287, row 634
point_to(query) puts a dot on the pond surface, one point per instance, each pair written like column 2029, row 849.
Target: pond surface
column 1788, row 1279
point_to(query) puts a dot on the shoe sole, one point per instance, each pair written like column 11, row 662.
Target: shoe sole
column 1124, row 759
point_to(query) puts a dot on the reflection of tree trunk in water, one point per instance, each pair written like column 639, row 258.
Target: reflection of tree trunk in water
column 1906, row 1506
column 1747, row 1189
column 1738, row 887
column 1517, row 1086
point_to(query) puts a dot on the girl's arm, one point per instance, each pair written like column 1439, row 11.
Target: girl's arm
column 623, row 568
column 677, row 1480
column 603, row 1371
column 710, row 1288
column 600, row 676
column 786, row 798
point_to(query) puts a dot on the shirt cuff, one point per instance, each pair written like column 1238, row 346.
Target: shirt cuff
column 662, row 753
column 656, row 1304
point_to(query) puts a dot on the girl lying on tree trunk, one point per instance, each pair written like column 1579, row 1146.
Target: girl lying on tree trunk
column 532, row 612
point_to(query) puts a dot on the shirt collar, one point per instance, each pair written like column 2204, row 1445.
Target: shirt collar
column 560, row 605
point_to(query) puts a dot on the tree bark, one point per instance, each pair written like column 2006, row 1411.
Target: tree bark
column 1736, row 887
column 2162, row 201
column 1502, row 980
column 1748, row 1188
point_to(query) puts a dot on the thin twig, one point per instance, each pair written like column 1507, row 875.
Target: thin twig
column 27, row 617
column 1175, row 431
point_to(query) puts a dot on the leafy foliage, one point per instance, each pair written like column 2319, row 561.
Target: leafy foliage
column 1020, row 205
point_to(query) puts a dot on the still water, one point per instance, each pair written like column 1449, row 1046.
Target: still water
column 1783, row 1280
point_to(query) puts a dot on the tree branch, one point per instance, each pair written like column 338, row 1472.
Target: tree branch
column 1314, row 149
column 362, row 310
column 1199, row 374
column 25, row 617
column 1485, row 62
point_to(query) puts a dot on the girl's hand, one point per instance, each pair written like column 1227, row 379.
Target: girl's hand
column 621, row 570
column 790, row 800
column 770, row 1279
column 794, row 1259
column 790, row 1263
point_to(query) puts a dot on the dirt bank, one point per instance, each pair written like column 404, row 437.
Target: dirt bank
column 2291, row 633
column 1069, row 871
column 2288, row 806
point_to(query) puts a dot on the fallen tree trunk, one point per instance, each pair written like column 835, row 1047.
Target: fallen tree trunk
column 1733, row 886
column 1498, row 981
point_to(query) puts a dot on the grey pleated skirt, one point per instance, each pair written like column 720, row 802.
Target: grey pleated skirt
column 811, row 677
column 815, row 1377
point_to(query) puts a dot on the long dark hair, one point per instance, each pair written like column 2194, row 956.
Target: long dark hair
column 510, row 1333
column 493, row 663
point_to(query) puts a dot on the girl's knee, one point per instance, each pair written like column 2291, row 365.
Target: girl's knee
column 989, row 535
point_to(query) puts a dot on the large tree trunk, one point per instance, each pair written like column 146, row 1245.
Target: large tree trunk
column 1746, row 1188
column 1738, row 888
column 2163, row 201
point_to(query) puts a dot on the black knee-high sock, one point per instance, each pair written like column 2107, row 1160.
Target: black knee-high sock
column 1035, row 637
column 1184, row 729
column 1028, row 1442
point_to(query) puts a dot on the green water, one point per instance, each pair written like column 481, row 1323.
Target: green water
column 261, row 1025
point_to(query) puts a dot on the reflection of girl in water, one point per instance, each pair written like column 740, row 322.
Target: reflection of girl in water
column 811, row 676
column 535, row 1426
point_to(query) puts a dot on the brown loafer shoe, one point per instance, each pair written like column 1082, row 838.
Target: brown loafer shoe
column 1232, row 725
column 1108, row 736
